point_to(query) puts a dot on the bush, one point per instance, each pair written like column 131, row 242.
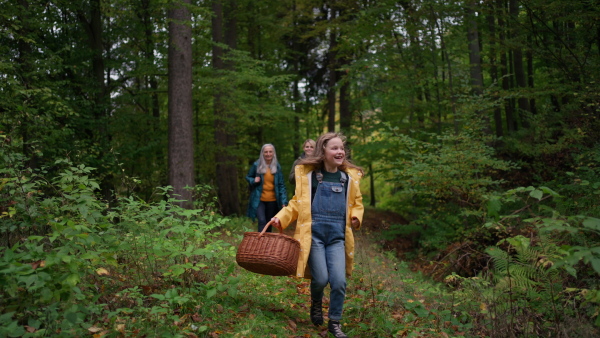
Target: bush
column 66, row 258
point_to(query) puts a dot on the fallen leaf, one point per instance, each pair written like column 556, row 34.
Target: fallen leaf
column 100, row 334
column 30, row 329
column 196, row 317
column 94, row 329
column 102, row 272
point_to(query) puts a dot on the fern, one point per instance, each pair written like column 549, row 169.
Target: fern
column 525, row 269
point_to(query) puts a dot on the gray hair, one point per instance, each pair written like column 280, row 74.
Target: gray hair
column 262, row 164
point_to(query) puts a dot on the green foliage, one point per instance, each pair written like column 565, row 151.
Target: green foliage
column 442, row 183
column 64, row 253
column 526, row 269
column 455, row 168
column 529, row 273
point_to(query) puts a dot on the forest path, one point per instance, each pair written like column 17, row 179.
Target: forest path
column 384, row 297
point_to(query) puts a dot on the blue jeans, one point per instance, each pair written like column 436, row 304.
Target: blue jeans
column 327, row 259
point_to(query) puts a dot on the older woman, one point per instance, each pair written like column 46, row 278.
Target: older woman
column 267, row 187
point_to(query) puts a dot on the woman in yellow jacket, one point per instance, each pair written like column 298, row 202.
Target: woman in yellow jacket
column 327, row 205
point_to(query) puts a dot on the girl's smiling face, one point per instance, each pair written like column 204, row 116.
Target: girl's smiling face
column 334, row 154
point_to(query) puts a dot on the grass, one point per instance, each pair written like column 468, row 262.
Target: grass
column 384, row 299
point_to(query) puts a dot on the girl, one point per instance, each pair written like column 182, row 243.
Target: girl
column 327, row 205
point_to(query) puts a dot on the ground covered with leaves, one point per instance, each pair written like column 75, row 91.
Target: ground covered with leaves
column 384, row 299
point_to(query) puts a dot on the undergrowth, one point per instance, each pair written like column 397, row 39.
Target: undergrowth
column 72, row 266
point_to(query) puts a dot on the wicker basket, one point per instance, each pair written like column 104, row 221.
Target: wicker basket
column 268, row 253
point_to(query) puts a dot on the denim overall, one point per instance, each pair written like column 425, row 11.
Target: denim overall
column 327, row 259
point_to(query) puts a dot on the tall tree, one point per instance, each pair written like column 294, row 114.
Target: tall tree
column 517, row 53
column 346, row 14
column 224, row 32
column 181, row 136
column 474, row 50
column 511, row 123
column 332, row 65
column 491, row 20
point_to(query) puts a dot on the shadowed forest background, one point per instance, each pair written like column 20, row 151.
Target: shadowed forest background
column 127, row 127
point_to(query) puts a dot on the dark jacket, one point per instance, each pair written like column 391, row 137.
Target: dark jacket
column 292, row 177
column 256, row 189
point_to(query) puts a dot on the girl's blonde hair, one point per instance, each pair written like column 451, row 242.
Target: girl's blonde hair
column 318, row 157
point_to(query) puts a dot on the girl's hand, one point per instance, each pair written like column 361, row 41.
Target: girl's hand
column 355, row 223
column 257, row 179
column 275, row 222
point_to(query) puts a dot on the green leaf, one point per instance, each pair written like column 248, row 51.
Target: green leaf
column 596, row 264
column 15, row 330
column 592, row 223
column 158, row 296
column 71, row 317
column 6, row 317
column 46, row 294
column 493, row 207
column 421, row 311
column 73, row 279
column 549, row 191
column 232, row 292
column 536, row 194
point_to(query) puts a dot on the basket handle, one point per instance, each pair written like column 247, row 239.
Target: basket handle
column 266, row 227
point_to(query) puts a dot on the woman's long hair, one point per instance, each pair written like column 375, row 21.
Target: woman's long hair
column 318, row 157
column 262, row 164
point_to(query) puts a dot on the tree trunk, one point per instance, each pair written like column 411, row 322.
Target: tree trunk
column 475, row 58
column 224, row 31
column 149, row 55
column 444, row 53
column 530, row 82
column 181, row 133
column 99, row 130
column 345, row 112
column 491, row 18
column 331, row 91
column 24, row 65
column 517, row 53
column 511, row 125
column 474, row 51
column 372, row 183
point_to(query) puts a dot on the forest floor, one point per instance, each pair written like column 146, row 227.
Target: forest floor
column 385, row 298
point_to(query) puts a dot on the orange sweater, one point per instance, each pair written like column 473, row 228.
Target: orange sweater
column 268, row 191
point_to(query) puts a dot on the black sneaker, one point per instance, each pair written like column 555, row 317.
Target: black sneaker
column 335, row 328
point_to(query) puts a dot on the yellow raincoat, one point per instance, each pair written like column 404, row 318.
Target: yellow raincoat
column 299, row 208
